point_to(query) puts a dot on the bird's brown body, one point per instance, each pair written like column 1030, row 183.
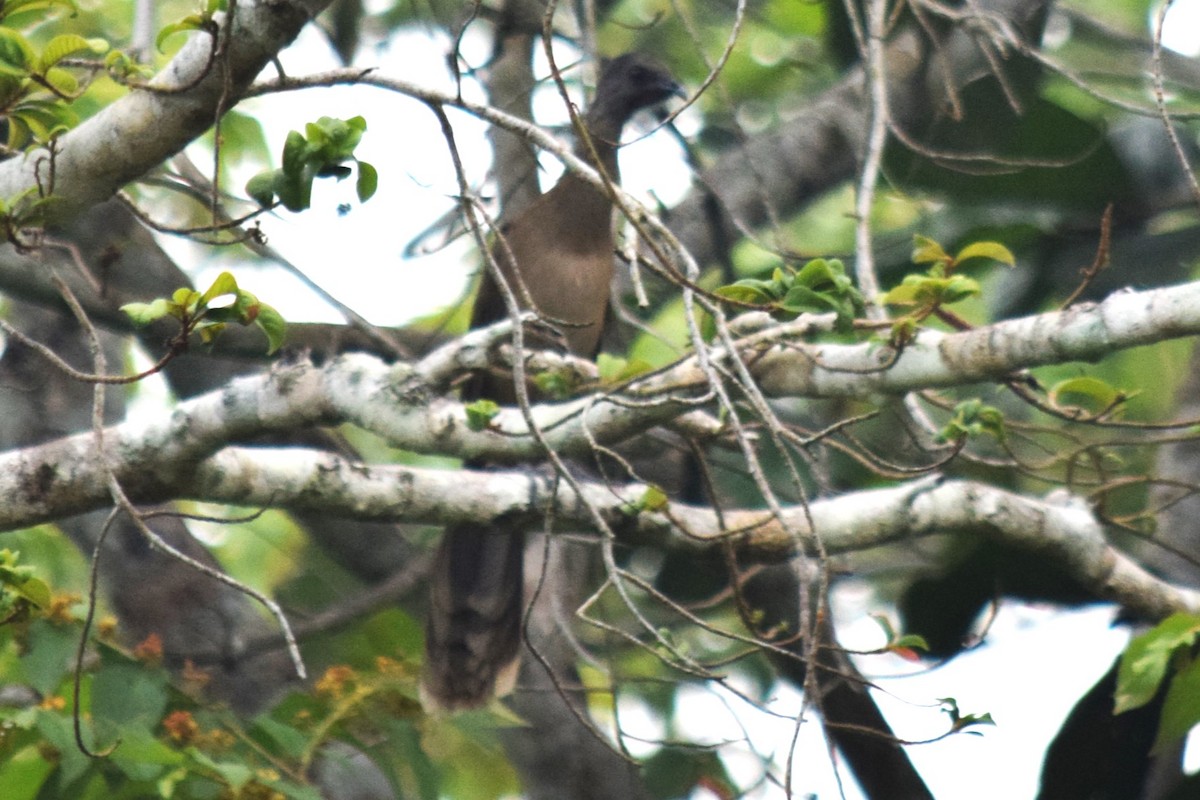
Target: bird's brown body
column 557, row 255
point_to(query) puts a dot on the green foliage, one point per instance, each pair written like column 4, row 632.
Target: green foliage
column 193, row 22
column 556, row 384
column 12, row 8
column 35, row 90
column 481, row 413
column 960, row 722
column 195, row 311
column 929, row 294
column 819, row 287
column 903, row 645
column 160, row 741
column 616, row 370
column 20, row 588
column 652, row 500
column 1163, row 653
column 1088, row 397
column 321, row 152
column 973, row 418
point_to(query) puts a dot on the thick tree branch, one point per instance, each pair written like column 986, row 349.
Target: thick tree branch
column 1060, row 527
column 149, row 455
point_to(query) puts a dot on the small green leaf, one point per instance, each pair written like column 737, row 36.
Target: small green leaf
column 653, row 499
column 295, row 189
column 992, row 250
column 973, row 418
column 295, row 152
column 65, row 46
column 368, row 181
column 817, row 273
column 273, row 325
column 145, row 313
column 224, row 284
column 1146, row 658
column 615, row 369
column 193, row 22
column 927, row 251
column 261, row 187
column 554, row 383
column 481, row 413
column 209, row 332
column 16, row 51
column 61, row 81
column 742, row 293
column 185, row 297
column 908, row 293
column 910, row 641
column 959, row 287
column 1181, row 707
column 1086, row 394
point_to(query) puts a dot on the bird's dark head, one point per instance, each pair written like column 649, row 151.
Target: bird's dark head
column 631, row 82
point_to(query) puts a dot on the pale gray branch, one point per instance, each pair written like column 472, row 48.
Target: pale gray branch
column 1060, row 527
column 150, row 453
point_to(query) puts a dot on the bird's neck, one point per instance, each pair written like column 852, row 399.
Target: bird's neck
column 599, row 146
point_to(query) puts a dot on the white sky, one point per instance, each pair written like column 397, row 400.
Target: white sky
column 1037, row 662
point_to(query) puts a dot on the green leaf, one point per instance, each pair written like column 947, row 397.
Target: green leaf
column 820, row 272
column 555, row 383
column 973, row 418
column 193, row 22
column 65, row 46
column 801, row 298
column 481, row 413
column 186, row 298
column 615, row 369
column 959, row 287
column 210, row 332
column 145, row 313
column 261, row 187
column 14, row 7
column 992, row 250
column 1181, row 707
column 224, row 284
column 23, row 773
column 127, row 693
column 273, row 325
column 653, row 499
column 908, row 293
column 368, row 181
column 61, row 81
column 16, row 51
column 743, row 293
column 927, row 251
column 1144, row 662
column 295, row 189
column 1086, row 394
column 295, row 153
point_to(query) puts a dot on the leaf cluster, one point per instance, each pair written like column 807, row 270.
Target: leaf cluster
column 20, row 588
column 35, row 88
column 929, row 293
column 972, row 418
column 1165, row 654
column 320, row 152
column 819, row 287
column 195, row 311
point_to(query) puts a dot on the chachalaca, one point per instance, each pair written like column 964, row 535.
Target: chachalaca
column 562, row 261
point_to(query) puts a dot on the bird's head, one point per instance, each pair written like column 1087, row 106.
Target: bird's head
column 631, row 82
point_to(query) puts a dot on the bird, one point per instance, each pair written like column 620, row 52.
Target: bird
column 560, row 249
